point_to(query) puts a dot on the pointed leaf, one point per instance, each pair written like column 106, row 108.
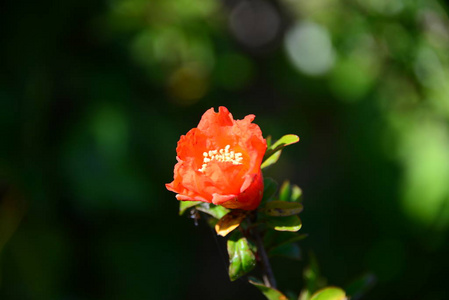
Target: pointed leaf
column 215, row 211
column 284, row 141
column 284, row 191
column 276, row 148
column 290, row 192
column 185, row 205
column 296, row 193
column 241, row 256
column 270, row 293
column 290, row 223
column 282, row 208
column 329, row 293
column 230, row 222
column 271, row 160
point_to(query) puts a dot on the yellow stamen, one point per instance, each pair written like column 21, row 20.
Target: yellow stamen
column 221, row 155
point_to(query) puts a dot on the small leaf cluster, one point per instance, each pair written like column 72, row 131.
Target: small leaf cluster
column 270, row 230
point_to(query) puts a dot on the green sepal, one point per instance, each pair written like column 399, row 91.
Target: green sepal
column 185, row 205
column 215, row 211
column 270, row 187
column 290, row 223
column 274, row 151
column 241, row 255
column 282, row 208
column 330, row 293
column 269, row 293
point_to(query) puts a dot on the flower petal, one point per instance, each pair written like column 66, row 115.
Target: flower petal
column 221, row 178
column 212, row 120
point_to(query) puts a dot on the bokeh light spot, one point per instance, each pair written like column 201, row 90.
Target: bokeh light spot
column 309, row 48
column 188, row 84
column 425, row 187
column 255, row 23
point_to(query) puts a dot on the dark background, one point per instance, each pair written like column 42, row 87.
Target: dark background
column 95, row 94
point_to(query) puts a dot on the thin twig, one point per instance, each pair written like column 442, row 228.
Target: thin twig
column 268, row 276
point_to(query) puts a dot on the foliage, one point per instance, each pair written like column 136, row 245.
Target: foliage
column 250, row 232
column 93, row 95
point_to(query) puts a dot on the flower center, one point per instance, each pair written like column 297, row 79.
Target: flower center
column 221, row 155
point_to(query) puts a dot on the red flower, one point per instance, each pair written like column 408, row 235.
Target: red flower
column 219, row 162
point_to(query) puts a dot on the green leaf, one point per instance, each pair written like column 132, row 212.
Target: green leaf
column 215, row 211
column 274, row 151
column 212, row 222
column 290, row 192
column 269, row 189
column 241, row 256
column 270, row 293
column 271, row 160
column 329, row 293
column 283, row 243
column 273, row 238
column 312, row 278
column 291, row 251
column 284, row 141
column 290, row 223
column 296, row 193
column 304, row 295
column 282, row 208
column 185, row 205
column 284, row 191
column 268, row 139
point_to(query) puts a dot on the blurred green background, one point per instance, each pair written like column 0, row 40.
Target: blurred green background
column 95, row 94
